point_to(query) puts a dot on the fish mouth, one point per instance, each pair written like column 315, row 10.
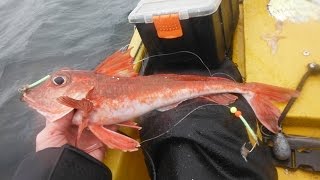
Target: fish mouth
column 48, row 113
column 29, row 101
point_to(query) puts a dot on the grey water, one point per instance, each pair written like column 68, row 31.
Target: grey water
column 38, row 37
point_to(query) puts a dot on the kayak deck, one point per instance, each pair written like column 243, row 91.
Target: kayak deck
column 297, row 47
column 256, row 63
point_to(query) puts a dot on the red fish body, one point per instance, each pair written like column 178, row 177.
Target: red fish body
column 107, row 100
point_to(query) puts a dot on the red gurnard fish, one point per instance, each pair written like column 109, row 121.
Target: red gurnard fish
column 102, row 99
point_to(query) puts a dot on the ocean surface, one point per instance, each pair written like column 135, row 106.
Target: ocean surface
column 38, row 37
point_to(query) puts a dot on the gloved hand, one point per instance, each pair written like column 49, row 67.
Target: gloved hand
column 57, row 158
column 61, row 132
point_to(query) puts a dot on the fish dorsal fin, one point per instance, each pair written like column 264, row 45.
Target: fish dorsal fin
column 171, row 106
column 118, row 64
column 222, row 99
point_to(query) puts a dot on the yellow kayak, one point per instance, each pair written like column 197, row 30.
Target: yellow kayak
column 264, row 51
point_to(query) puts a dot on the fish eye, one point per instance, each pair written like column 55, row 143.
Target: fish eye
column 58, row 80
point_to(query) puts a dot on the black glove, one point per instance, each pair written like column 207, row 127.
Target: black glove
column 61, row 163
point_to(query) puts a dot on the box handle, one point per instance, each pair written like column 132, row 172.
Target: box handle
column 168, row 26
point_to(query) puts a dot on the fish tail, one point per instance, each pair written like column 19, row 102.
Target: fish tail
column 261, row 98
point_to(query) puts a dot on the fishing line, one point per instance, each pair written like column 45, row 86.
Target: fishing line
column 200, row 59
column 243, row 150
column 124, row 48
column 225, row 74
column 180, row 121
column 233, row 110
column 167, row 54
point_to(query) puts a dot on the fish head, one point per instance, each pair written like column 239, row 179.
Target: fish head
column 75, row 84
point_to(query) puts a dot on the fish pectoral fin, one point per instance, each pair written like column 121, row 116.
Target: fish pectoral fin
column 222, row 99
column 130, row 124
column 81, row 127
column 171, row 106
column 83, row 104
column 113, row 139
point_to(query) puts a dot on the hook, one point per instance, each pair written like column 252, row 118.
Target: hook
column 245, row 152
